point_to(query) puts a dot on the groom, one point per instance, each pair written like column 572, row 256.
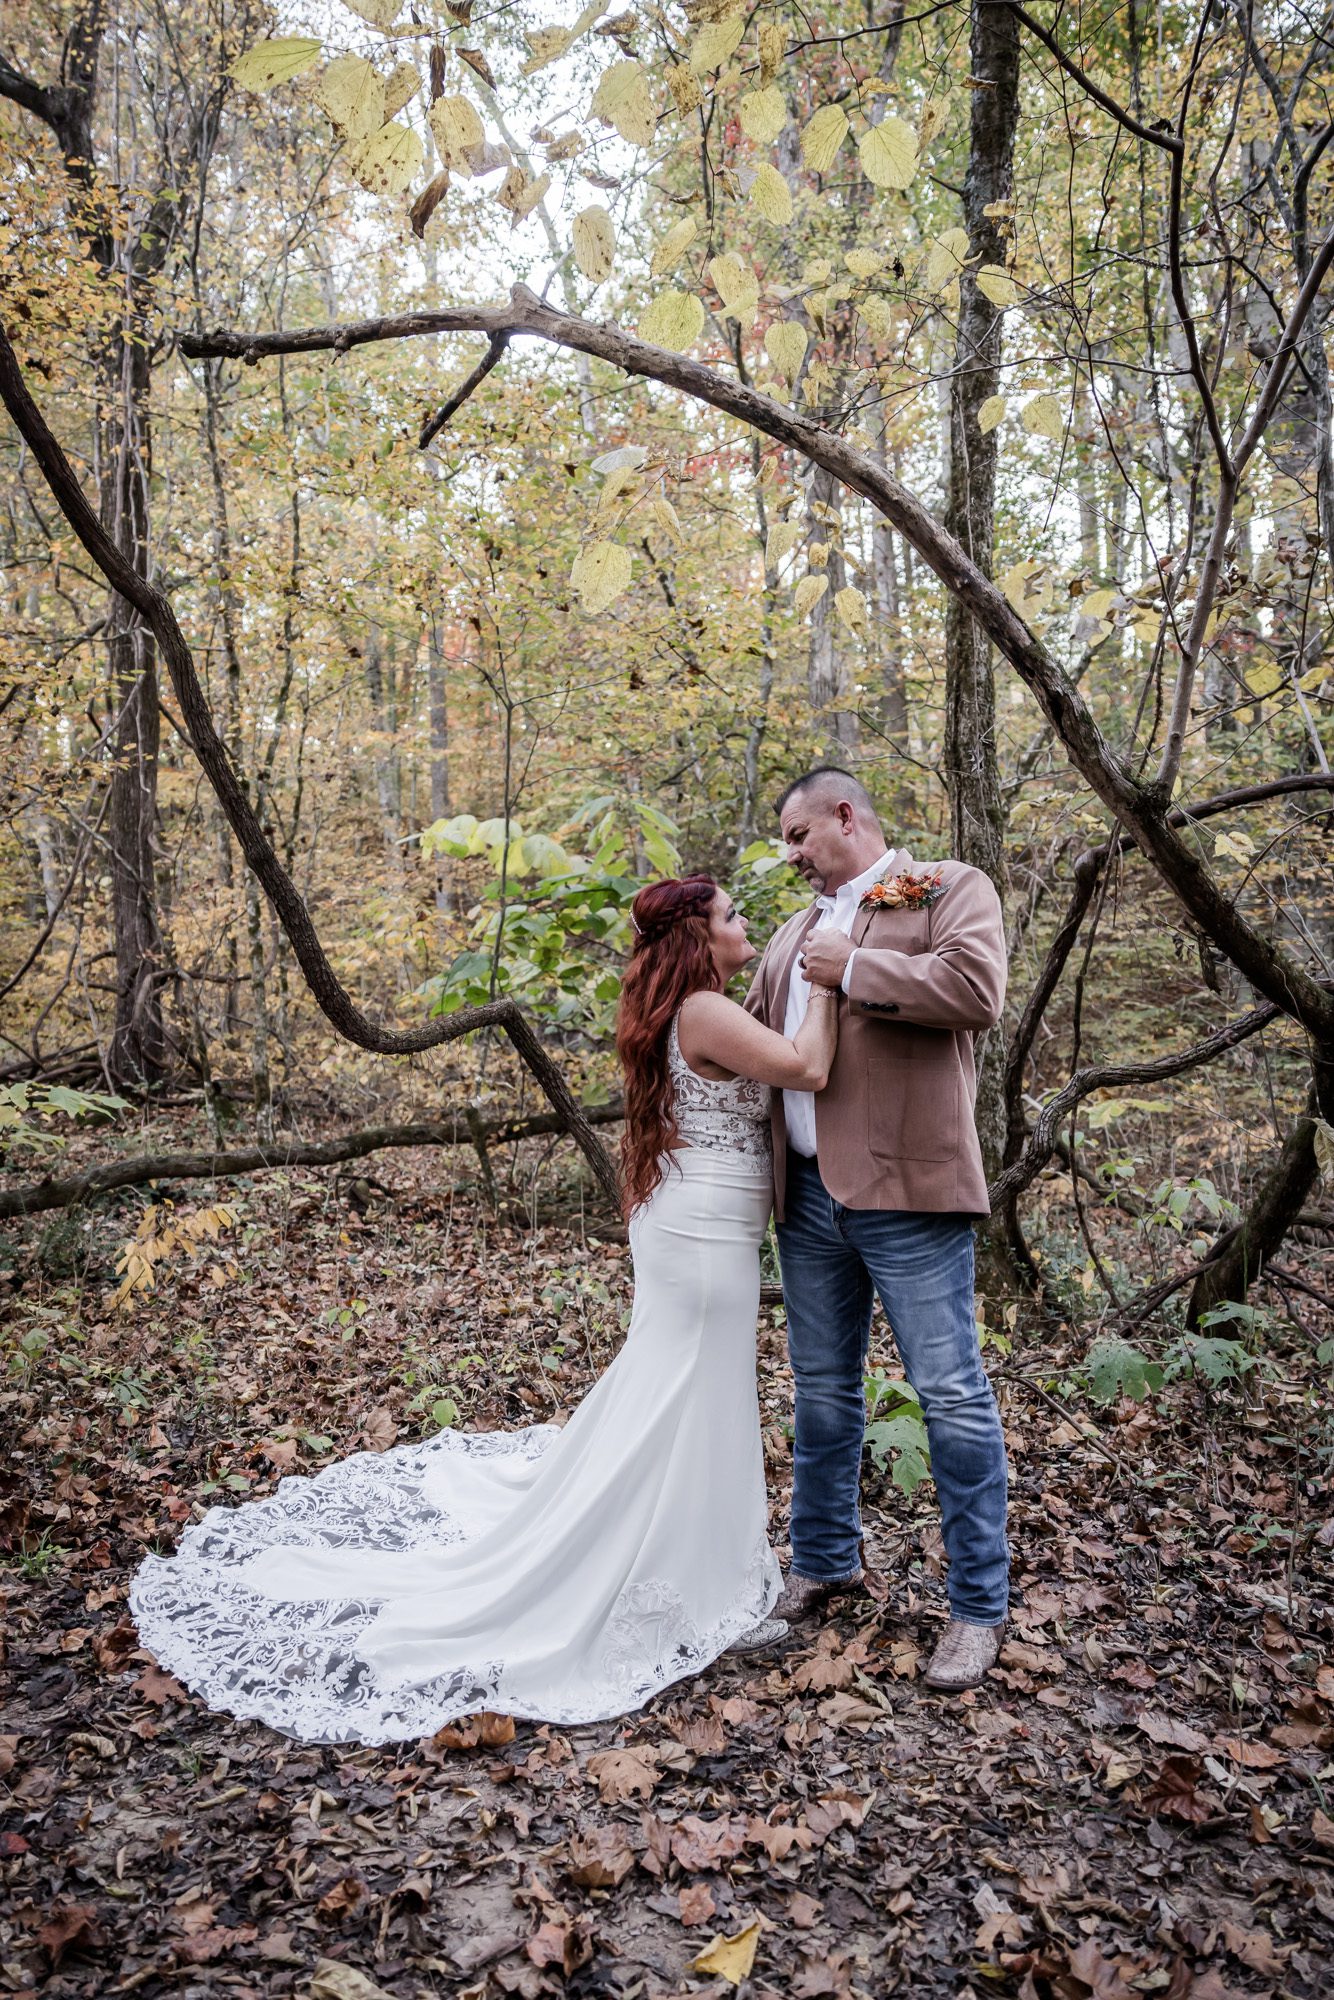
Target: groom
column 877, row 1183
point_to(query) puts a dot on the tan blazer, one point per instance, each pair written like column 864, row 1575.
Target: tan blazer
column 894, row 1126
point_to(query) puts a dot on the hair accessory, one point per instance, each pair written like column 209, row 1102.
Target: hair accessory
column 634, row 926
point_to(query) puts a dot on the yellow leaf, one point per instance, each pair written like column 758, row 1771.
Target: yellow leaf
column 1265, row 679
column 458, row 131
column 763, row 114
column 851, row 608
column 715, row 43
column 823, row 136
column 684, row 86
column 889, row 153
column 1042, row 417
column 729, row 1958
column 380, row 13
column 932, row 117
column 549, row 44
column 351, row 93
column 772, row 196
column 520, row 195
column 389, row 161
column 782, row 539
column 771, row 49
column 808, row 593
column 785, row 345
column 422, row 215
column 864, row 263
column 479, row 65
column 1028, row 586
column 817, row 555
column 1097, row 603
column 672, row 247
column 877, row 315
column 400, row 89
column 996, row 284
column 600, row 573
column 673, row 320
column 816, row 271
column 275, row 61
column 946, row 258
column 668, row 519
column 990, row 413
column 1312, row 679
column 737, row 287
column 622, row 99
column 594, row 242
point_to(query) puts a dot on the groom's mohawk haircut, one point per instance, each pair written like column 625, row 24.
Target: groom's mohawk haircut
column 826, row 785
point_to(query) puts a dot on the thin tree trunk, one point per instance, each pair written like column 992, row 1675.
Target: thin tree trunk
column 138, row 1052
column 972, row 775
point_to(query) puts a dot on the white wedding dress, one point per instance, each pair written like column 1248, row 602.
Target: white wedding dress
column 565, row 1575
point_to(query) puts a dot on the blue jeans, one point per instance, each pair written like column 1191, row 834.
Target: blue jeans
column 833, row 1258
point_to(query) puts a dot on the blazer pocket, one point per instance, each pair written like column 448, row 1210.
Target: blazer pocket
column 914, row 1108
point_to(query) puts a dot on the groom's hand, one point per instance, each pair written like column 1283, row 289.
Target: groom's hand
column 825, row 955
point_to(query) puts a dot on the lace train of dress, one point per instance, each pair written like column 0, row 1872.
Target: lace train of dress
column 564, row 1574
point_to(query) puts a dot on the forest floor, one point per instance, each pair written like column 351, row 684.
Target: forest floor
column 1138, row 1802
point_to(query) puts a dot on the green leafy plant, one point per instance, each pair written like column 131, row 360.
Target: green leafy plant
column 896, row 1431
column 20, row 1103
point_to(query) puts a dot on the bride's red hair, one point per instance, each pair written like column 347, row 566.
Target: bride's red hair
column 671, row 958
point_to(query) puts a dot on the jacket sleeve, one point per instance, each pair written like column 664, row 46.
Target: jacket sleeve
column 754, row 1000
column 959, row 982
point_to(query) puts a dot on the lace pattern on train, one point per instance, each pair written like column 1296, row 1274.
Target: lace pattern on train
column 295, row 1666
column 730, row 1117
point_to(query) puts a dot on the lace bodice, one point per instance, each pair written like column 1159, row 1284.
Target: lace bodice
column 730, row 1117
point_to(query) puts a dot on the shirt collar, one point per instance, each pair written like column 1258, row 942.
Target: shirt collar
column 859, row 884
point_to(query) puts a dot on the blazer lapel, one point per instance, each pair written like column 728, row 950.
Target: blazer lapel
column 899, row 861
column 784, row 960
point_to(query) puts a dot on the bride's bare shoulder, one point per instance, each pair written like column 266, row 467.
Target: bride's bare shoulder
column 703, row 1006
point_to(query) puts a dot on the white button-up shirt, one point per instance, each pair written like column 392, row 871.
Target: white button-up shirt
column 838, row 911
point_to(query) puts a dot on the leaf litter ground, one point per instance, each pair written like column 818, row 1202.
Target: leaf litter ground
column 1137, row 1802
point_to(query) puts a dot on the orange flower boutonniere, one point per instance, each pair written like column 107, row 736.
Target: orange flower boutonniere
column 904, row 892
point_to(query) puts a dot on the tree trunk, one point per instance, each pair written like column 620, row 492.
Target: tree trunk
column 138, row 1053
column 1275, row 1206
column 977, row 812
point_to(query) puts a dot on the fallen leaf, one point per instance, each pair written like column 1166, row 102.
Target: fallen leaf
column 484, row 1731
column 600, row 1858
column 332, row 1980
column 697, row 1904
column 1161, row 1728
column 157, row 1687
column 344, row 1896
column 622, row 1774
column 729, row 1958
column 1172, row 1794
column 703, row 1843
column 560, row 1942
column 70, row 1927
column 1255, row 1756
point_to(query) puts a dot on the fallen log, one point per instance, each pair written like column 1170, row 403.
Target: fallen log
column 458, row 1130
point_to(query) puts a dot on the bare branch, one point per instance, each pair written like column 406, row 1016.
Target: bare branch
column 1107, row 1076
column 1155, row 135
column 496, row 347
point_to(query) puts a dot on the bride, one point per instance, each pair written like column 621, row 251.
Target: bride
column 563, row 1574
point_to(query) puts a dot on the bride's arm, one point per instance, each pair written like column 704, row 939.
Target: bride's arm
column 714, row 1029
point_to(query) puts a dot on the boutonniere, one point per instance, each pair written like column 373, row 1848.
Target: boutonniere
column 904, row 892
